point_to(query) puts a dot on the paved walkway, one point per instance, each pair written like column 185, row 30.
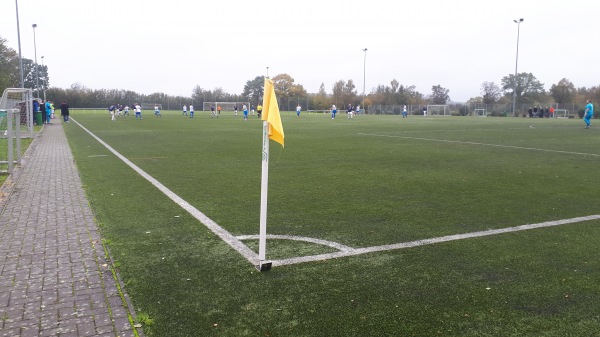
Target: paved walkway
column 55, row 279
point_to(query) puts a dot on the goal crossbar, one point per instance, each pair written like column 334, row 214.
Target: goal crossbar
column 480, row 112
column 438, row 110
column 226, row 106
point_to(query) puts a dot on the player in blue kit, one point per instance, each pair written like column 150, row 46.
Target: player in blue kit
column 589, row 113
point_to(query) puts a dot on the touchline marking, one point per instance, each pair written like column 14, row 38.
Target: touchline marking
column 343, row 251
column 483, row 144
column 236, row 244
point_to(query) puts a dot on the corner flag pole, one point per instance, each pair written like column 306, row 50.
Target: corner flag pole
column 264, row 186
column 272, row 129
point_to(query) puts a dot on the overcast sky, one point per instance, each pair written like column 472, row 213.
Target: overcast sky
column 171, row 46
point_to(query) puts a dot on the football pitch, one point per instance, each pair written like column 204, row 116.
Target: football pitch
column 378, row 225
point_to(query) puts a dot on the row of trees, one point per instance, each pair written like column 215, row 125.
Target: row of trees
column 530, row 91
column 527, row 88
column 10, row 74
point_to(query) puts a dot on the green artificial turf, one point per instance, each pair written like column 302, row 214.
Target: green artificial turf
column 369, row 181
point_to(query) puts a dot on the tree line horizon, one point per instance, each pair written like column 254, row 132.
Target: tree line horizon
column 528, row 89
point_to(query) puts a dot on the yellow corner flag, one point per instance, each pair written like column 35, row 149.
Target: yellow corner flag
column 271, row 113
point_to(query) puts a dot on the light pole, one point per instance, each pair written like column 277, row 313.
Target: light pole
column 37, row 76
column 43, row 80
column 19, row 40
column 364, row 78
column 518, row 22
column 267, row 72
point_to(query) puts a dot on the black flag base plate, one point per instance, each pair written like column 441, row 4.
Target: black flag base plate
column 264, row 266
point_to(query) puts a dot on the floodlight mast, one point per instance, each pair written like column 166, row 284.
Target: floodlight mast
column 19, row 40
column 43, row 80
column 37, row 76
column 364, row 77
column 518, row 22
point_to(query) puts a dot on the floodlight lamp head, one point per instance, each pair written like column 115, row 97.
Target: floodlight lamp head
column 34, row 25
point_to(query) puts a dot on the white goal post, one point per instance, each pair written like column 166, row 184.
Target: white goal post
column 150, row 106
column 438, row 110
column 227, row 107
column 480, row 113
column 21, row 99
column 561, row 113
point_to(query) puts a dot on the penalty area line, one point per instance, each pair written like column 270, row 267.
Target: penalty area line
column 482, row 144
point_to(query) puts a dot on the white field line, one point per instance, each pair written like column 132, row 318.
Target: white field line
column 482, row 144
column 365, row 250
column 331, row 244
column 236, row 244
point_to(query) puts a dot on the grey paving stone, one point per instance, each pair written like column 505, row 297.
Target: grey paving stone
column 53, row 281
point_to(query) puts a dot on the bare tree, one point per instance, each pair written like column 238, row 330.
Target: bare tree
column 490, row 92
column 439, row 95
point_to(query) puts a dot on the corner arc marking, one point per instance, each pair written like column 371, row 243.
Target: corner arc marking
column 335, row 245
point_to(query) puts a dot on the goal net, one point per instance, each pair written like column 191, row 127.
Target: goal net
column 438, row 110
column 150, row 106
column 22, row 100
column 16, row 119
column 227, row 107
column 480, row 112
column 561, row 113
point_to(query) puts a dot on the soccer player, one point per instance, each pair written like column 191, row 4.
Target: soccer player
column 112, row 109
column 424, row 111
column 404, row 112
column 218, row 110
column 184, row 110
column 235, row 109
column 245, row 109
column 258, row 110
column 333, row 111
column 157, row 111
column 138, row 111
column 589, row 113
column 191, row 111
column 298, row 109
column 212, row 111
column 126, row 110
column 350, row 111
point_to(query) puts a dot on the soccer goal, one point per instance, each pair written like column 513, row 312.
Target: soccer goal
column 22, row 100
column 561, row 113
column 480, row 113
column 150, row 106
column 227, row 107
column 438, row 110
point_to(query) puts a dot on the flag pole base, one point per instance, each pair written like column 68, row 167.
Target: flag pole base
column 264, row 266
